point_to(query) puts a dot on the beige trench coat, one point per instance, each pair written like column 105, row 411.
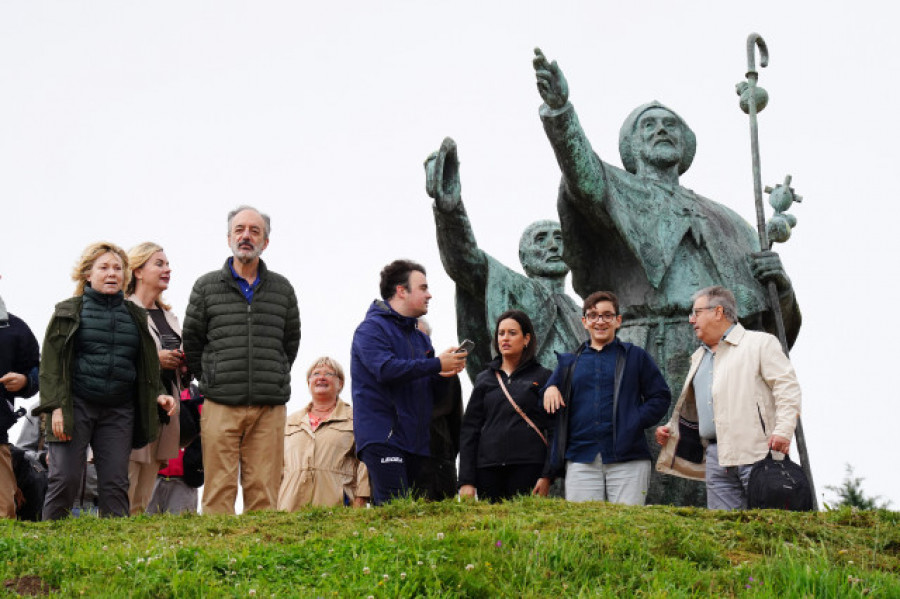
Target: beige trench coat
column 753, row 383
column 321, row 466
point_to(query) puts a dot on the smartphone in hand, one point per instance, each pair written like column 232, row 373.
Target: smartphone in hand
column 466, row 346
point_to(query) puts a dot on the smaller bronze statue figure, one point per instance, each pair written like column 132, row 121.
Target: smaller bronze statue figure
column 485, row 288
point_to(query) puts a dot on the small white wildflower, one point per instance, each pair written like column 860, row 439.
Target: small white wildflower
column 402, row 575
column 386, row 577
column 355, row 533
column 440, row 536
column 259, row 567
column 324, row 574
column 470, row 567
column 434, row 566
column 252, row 593
column 331, row 550
column 419, row 563
column 366, row 570
column 371, row 529
column 105, row 548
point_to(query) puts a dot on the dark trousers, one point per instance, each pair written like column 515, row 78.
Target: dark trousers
column 505, row 482
column 440, row 478
column 108, row 430
column 392, row 473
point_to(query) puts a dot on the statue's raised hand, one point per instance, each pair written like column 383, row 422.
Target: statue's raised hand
column 551, row 82
column 442, row 176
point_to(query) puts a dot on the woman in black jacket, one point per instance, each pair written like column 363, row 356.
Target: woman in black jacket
column 503, row 446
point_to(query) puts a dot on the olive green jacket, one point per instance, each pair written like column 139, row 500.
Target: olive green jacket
column 57, row 355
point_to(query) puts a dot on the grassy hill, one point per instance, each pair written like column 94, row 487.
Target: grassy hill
column 529, row 547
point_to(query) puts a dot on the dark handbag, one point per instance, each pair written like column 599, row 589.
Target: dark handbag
column 189, row 421
column 778, row 485
column 192, row 461
column 689, row 446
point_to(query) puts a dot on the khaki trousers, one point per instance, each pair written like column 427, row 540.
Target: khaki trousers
column 141, row 480
column 245, row 441
column 7, row 484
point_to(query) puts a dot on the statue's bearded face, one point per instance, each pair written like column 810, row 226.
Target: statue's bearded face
column 541, row 251
column 659, row 138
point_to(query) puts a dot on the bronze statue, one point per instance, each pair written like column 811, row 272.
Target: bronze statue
column 485, row 288
column 640, row 234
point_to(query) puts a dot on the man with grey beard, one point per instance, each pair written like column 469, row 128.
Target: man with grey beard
column 241, row 336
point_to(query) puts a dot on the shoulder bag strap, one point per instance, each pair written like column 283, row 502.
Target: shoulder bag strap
column 519, row 410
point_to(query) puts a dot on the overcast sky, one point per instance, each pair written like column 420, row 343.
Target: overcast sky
column 133, row 121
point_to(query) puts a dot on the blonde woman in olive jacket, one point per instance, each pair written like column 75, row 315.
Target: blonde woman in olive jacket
column 150, row 277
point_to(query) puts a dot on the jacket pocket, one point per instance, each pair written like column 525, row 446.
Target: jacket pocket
column 209, row 370
column 765, row 425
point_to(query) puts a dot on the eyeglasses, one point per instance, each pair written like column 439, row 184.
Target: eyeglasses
column 605, row 317
column 695, row 313
column 318, row 373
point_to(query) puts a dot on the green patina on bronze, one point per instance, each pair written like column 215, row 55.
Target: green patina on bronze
column 639, row 233
column 485, row 288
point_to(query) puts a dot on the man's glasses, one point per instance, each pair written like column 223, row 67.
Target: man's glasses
column 605, row 317
column 695, row 313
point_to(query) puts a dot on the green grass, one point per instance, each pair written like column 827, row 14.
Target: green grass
column 529, row 547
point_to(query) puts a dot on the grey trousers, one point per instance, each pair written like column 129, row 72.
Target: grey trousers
column 172, row 496
column 726, row 486
column 108, row 430
column 625, row 482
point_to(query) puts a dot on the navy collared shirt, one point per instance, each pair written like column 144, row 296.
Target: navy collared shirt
column 246, row 288
column 591, row 405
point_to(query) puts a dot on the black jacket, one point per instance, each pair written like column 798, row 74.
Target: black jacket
column 493, row 433
column 18, row 353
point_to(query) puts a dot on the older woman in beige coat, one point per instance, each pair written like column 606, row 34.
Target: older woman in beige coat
column 320, row 465
column 150, row 277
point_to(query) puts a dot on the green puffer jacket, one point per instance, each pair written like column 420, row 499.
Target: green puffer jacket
column 242, row 353
column 57, row 356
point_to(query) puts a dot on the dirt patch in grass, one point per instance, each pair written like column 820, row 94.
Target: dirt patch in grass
column 30, row 586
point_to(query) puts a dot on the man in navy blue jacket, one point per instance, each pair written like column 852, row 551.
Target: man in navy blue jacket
column 394, row 370
column 610, row 391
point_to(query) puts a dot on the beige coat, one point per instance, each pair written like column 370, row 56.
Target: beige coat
column 321, row 466
column 166, row 446
column 753, row 382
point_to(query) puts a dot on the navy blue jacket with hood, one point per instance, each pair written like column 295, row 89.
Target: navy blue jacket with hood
column 641, row 399
column 393, row 370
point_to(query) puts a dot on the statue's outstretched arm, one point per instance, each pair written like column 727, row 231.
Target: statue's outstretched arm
column 580, row 166
column 462, row 259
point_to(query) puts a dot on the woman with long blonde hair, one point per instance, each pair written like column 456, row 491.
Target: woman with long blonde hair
column 150, row 276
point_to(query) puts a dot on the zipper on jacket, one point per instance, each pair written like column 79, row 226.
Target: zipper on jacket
column 617, row 386
column 249, row 353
